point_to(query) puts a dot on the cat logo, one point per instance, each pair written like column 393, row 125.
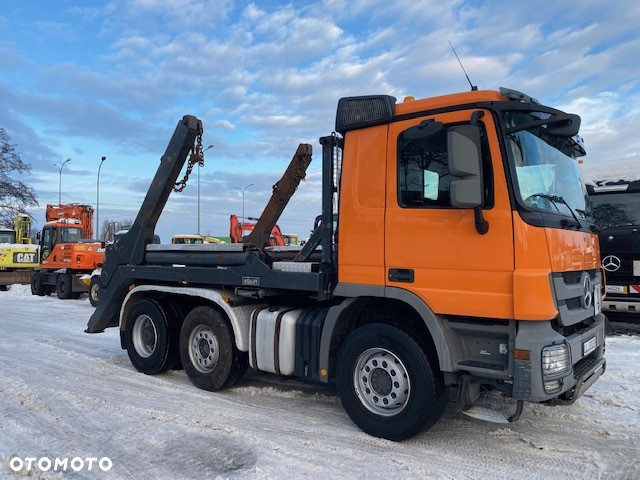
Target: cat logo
column 22, row 257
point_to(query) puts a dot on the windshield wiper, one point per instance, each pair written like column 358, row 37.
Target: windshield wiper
column 555, row 199
column 585, row 213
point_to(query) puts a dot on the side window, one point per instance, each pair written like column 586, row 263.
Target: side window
column 423, row 170
column 46, row 242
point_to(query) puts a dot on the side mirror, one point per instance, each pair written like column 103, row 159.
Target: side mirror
column 565, row 129
column 38, row 237
column 463, row 147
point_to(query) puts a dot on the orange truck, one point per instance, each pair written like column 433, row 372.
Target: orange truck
column 67, row 251
column 455, row 251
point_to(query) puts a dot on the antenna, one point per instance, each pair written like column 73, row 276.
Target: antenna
column 473, row 87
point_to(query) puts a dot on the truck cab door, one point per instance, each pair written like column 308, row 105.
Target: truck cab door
column 434, row 249
column 47, row 242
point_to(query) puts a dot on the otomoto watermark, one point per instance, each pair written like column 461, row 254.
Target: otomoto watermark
column 76, row 464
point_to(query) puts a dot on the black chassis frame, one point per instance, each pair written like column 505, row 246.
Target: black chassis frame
column 125, row 262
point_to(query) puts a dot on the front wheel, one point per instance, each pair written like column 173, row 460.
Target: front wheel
column 37, row 286
column 5, row 288
column 94, row 287
column 387, row 384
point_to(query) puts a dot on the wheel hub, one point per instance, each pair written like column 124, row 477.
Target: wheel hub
column 203, row 349
column 382, row 382
column 144, row 336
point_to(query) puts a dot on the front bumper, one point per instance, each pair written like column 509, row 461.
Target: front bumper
column 586, row 367
column 629, row 306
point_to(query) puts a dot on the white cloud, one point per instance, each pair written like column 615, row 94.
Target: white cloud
column 265, row 76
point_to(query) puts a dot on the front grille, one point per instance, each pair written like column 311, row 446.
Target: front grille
column 573, row 303
column 584, row 365
column 569, row 293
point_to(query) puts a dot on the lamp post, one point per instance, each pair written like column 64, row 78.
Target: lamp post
column 98, row 200
column 60, row 181
column 210, row 146
column 242, row 190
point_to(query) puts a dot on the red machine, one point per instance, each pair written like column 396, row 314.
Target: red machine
column 237, row 230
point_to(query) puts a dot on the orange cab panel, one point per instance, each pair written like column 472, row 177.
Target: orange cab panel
column 362, row 205
column 434, row 250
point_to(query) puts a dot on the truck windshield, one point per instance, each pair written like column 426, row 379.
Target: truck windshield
column 547, row 172
column 616, row 209
column 70, row 235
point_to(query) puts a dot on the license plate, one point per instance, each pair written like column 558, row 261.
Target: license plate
column 588, row 346
column 597, row 300
column 616, row 289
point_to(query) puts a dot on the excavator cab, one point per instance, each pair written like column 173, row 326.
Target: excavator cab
column 55, row 234
column 7, row 236
column 47, row 241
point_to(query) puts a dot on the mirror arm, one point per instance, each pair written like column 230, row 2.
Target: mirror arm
column 475, row 116
column 482, row 226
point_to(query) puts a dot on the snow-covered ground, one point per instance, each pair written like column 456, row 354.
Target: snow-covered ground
column 67, row 394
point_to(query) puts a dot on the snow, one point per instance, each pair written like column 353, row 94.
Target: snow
column 628, row 171
column 67, row 394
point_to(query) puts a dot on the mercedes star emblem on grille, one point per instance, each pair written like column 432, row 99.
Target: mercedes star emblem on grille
column 587, row 293
column 611, row 263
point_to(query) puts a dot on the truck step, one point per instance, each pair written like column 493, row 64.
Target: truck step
column 493, row 416
column 486, row 414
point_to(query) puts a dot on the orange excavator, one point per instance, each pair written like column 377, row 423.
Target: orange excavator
column 67, row 251
column 237, row 230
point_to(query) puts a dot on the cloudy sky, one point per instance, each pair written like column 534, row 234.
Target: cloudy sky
column 85, row 79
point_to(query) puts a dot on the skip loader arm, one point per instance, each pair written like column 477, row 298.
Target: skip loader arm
column 130, row 250
column 282, row 192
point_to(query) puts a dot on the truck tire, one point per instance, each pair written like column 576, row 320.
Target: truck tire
column 5, row 288
column 387, row 384
column 207, row 349
column 150, row 337
column 176, row 316
column 64, row 286
column 94, row 288
column 37, row 287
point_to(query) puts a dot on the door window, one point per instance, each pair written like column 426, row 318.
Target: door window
column 424, row 178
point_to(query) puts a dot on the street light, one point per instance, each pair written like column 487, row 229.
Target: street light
column 210, row 146
column 98, row 200
column 60, row 181
column 242, row 190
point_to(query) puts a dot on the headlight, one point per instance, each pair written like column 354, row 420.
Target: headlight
column 555, row 360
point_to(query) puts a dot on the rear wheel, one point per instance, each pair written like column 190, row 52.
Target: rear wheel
column 5, row 288
column 94, row 288
column 387, row 384
column 208, row 352
column 151, row 337
column 64, row 284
